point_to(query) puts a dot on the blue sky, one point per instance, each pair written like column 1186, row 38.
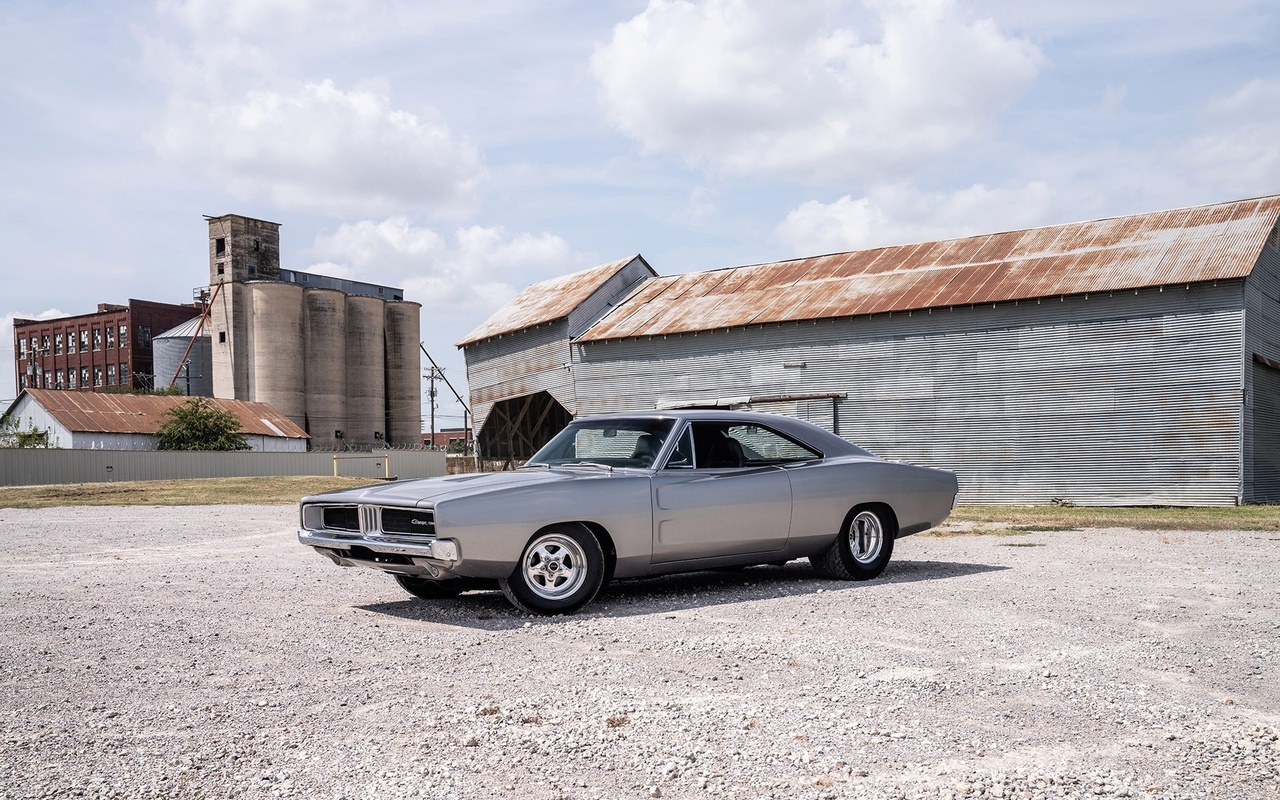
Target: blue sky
column 463, row 150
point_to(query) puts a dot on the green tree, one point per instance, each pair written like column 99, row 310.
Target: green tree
column 12, row 435
column 198, row 424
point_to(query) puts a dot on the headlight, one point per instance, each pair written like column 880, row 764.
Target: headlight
column 444, row 549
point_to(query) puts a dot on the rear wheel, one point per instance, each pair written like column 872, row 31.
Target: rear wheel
column 559, row 572
column 861, row 551
column 428, row 589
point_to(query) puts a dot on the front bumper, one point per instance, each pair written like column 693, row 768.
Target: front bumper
column 433, row 559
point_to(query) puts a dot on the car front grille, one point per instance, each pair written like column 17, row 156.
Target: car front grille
column 409, row 524
column 404, row 523
column 342, row 518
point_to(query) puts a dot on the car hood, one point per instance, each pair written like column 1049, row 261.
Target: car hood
column 427, row 491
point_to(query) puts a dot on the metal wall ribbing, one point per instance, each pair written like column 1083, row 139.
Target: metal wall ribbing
column 529, row 361
column 1261, row 456
column 1125, row 398
column 609, row 294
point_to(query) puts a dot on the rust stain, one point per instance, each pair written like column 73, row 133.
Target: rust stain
column 1218, row 242
column 546, row 301
column 93, row 412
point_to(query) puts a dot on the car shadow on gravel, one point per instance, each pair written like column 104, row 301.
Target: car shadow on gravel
column 489, row 610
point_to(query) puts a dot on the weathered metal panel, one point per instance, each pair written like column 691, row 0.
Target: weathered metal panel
column 547, row 301
column 42, row 467
column 528, row 361
column 608, row 295
column 1196, row 245
column 1261, row 454
column 1124, row 398
column 128, row 413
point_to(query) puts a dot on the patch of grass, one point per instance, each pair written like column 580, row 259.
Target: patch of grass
column 205, row 491
column 990, row 519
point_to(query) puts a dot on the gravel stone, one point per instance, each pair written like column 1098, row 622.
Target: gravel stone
column 201, row 652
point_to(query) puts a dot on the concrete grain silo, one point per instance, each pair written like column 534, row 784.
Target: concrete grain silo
column 404, row 406
column 325, row 322
column 276, row 375
column 366, row 364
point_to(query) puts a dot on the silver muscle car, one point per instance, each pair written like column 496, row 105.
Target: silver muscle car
column 629, row 495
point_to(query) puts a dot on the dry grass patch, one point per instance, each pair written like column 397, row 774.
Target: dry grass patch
column 205, row 491
column 1016, row 520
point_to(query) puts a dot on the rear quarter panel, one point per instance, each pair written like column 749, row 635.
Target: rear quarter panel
column 825, row 492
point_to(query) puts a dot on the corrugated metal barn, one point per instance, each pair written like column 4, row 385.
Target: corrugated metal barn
column 1124, row 361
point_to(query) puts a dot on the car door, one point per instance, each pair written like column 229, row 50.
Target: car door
column 707, row 504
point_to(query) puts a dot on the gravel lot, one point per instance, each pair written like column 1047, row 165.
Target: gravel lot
column 201, row 652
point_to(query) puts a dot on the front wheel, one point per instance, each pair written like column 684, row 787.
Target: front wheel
column 560, row 571
column 861, row 551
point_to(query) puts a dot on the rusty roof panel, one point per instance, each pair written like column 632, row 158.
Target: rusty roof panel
column 547, row 301
column 1167, row 247
column 93, row 412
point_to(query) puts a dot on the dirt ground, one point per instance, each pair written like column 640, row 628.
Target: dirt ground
column 201, row 652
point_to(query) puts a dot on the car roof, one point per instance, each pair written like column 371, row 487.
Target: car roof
column 820, row 438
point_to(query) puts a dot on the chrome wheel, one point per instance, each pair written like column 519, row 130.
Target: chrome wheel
column 555, row 566
column 866, row 537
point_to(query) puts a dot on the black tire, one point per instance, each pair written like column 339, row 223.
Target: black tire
column 560, row 571
column 862, row 550
column 428, row 589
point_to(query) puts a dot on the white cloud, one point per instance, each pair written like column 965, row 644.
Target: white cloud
column 1237, row 152
column 901, row 214
column 752, row 87
column 8, row 378
column 305, row 143
column 477, row 269
column 324, row 149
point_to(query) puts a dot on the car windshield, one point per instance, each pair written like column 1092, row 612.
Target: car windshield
column 610, row 443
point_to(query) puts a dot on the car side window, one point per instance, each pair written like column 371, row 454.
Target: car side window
column 722, row 445
column 682, row 456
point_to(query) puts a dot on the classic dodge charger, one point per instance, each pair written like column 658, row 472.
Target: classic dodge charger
column 630, row 495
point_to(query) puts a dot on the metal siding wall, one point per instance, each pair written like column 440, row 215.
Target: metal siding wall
column 40, row 467
column 526, row 362
column 603, row 299
column 1132, row 398
column 1262, row 391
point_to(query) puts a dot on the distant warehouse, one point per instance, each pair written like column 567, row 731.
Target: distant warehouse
column 1124, row 361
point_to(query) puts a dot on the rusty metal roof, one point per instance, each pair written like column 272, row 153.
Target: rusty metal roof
column 547, row 301
column 94, row 412
column 1189, row 245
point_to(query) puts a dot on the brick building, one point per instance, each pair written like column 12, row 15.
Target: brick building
column 91, row 352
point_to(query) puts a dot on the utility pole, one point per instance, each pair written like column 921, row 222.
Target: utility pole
column 433, row 373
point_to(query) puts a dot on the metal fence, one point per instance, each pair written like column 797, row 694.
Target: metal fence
column 32, row 467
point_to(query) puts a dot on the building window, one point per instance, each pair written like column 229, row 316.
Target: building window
column 97, row 338
column 97, row 376
column 84, row 377
column 48, row 379
column 84, row 341
column 57, row 345
column 144, row 337
column 71, row 378
column 222, row 337
column 124, row 374
column 124, row 336
column 22, row 381
column 257, row 245
column 111, row 374
column 111, row 337
column 219, row 247
column 59, row 378
column 71, row 342
column 44, row 345
column 22, row 347
column 220, row 268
